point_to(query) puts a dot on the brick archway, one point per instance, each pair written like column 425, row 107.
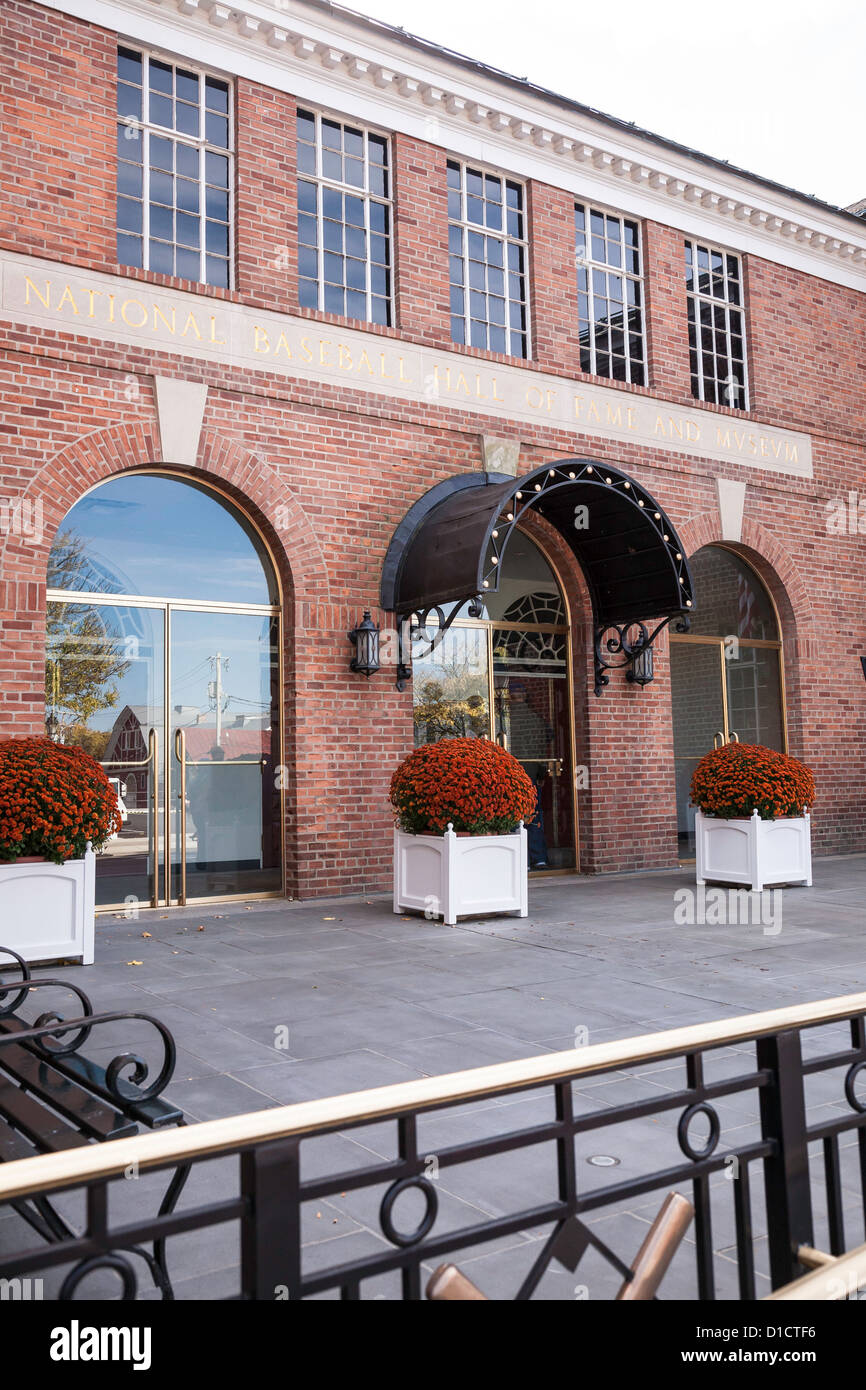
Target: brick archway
column 776, row 569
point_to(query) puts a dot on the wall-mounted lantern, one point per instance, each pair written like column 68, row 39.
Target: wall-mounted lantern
column 640, row 672
column 365, row 640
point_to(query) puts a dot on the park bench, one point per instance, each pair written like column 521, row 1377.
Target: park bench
column 53, row 1098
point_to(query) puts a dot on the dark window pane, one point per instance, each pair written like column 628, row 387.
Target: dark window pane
column 162, row 188
column 307, row 231
column 354, row 172
column 354, row 213
column 129, row 179
column 518, row 345
column 188, row 231
column 458, row 330
column 216, row 130
column 332, row 135
column 129, row 250
column 128, row 215
column 335, row 300
column 306, row 127
column 306, row 196
column 129, row 140
column 332, row 203
column 478, row 334
column 453, row 174
column 161, row 110
column 128, row 100
column 356, row 274
column 455, row 206
column 161, row 153
column 308, row 262
column 474, row 183
column 356, row 305
column 498, row 339
column 187, row 161
column 307, row 159
column 380, row 279
column 332, row 165
column 308, row 294
column 161, row 76
column 186, row 86
column 187, row 264
column 217, row 169
column 333, row 268
column 186, row 119
column 381, row 311
column 356, row 242
column 378, row 181
column 217, row 271
column 457, row 301
column 332, row 236
column 161, row 258
column 378, row 149
column 217, row 203
column 161, row 222
column 353, row 142
column 129, row 65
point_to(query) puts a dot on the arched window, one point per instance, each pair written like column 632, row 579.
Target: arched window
column 163, row 661
column 726, row 673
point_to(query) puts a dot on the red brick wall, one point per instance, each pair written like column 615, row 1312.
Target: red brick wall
column 328, row 472
column 57, row 119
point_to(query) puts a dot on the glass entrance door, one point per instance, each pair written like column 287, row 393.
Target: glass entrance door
column 104, row 692
column 505, row 676
column 181, row 708
column 726, row 674
column 224, row 802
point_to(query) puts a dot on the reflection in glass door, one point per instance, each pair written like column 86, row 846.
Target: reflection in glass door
column 104, row 692
column 224, row 812
column 162, row 660
column 506, row 677
column 726, row 674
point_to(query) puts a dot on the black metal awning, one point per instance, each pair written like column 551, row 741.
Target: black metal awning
column 452, row 544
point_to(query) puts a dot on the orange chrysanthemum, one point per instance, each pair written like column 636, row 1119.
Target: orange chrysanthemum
column 53, row 799
column 471, row 782
column 741, row 778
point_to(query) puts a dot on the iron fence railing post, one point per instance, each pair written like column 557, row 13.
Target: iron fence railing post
column 786, row 1170
column 271, row 1225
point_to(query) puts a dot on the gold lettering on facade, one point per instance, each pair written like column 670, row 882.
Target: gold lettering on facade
column 306, row 350
column 344, row 358
column 534, row 397
column 364, row 361
column 171, row 324
column 191, row 324
column 217, row 342
column 68, row 297
column 261, row 342
column 283, row 346
column 386, row 376
column 29, row 285
column 91, row 295
column 124, row 313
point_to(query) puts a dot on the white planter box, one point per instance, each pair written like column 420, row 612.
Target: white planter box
column 47, row 910
column 453, row 876
column 754, row 852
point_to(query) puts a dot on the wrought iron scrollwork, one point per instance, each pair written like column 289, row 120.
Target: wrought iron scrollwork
column 414, row 632
column 617, row 649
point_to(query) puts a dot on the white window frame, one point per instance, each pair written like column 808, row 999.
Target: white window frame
column 588, row 207
column 321, row 181
column 202, row 145
column 698, row 298
column 507, row 240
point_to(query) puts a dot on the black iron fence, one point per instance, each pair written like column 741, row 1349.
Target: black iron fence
column 537, row 1176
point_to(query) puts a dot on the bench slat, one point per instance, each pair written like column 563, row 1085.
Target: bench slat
column 43, row 1130
column 73, row 1101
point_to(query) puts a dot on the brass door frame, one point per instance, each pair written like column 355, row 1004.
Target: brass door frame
column 151, row 761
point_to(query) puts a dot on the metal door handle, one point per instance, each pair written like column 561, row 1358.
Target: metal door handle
column 180, row 754
column 720, row 736
column 735, row 738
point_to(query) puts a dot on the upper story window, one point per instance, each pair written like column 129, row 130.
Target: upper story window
column 344, row 219
column 487, row 244
column 717, row 340
column 609, row 295
column 174, row 168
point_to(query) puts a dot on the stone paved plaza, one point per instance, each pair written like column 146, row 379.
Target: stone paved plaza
column 369, row 998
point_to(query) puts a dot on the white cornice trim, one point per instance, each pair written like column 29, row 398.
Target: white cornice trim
column 343, row 63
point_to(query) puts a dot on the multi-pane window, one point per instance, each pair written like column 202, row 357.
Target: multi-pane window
column 174, row 168
column 344, row 219
column 487, row 244
column 609, row 295
column 717, row 341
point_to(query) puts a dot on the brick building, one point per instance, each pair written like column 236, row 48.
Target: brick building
column 302, row 317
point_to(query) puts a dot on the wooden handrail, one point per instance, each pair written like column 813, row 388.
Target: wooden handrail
column 209, row 1138
column 834, row 1278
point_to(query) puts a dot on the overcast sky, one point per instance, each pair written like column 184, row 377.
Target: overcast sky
column 775, row 86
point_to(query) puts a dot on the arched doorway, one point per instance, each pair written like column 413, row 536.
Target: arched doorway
column 727, row 674
column 163, row 661
column 506, row 675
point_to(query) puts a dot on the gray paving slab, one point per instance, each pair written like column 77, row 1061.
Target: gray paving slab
column 366, row 998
